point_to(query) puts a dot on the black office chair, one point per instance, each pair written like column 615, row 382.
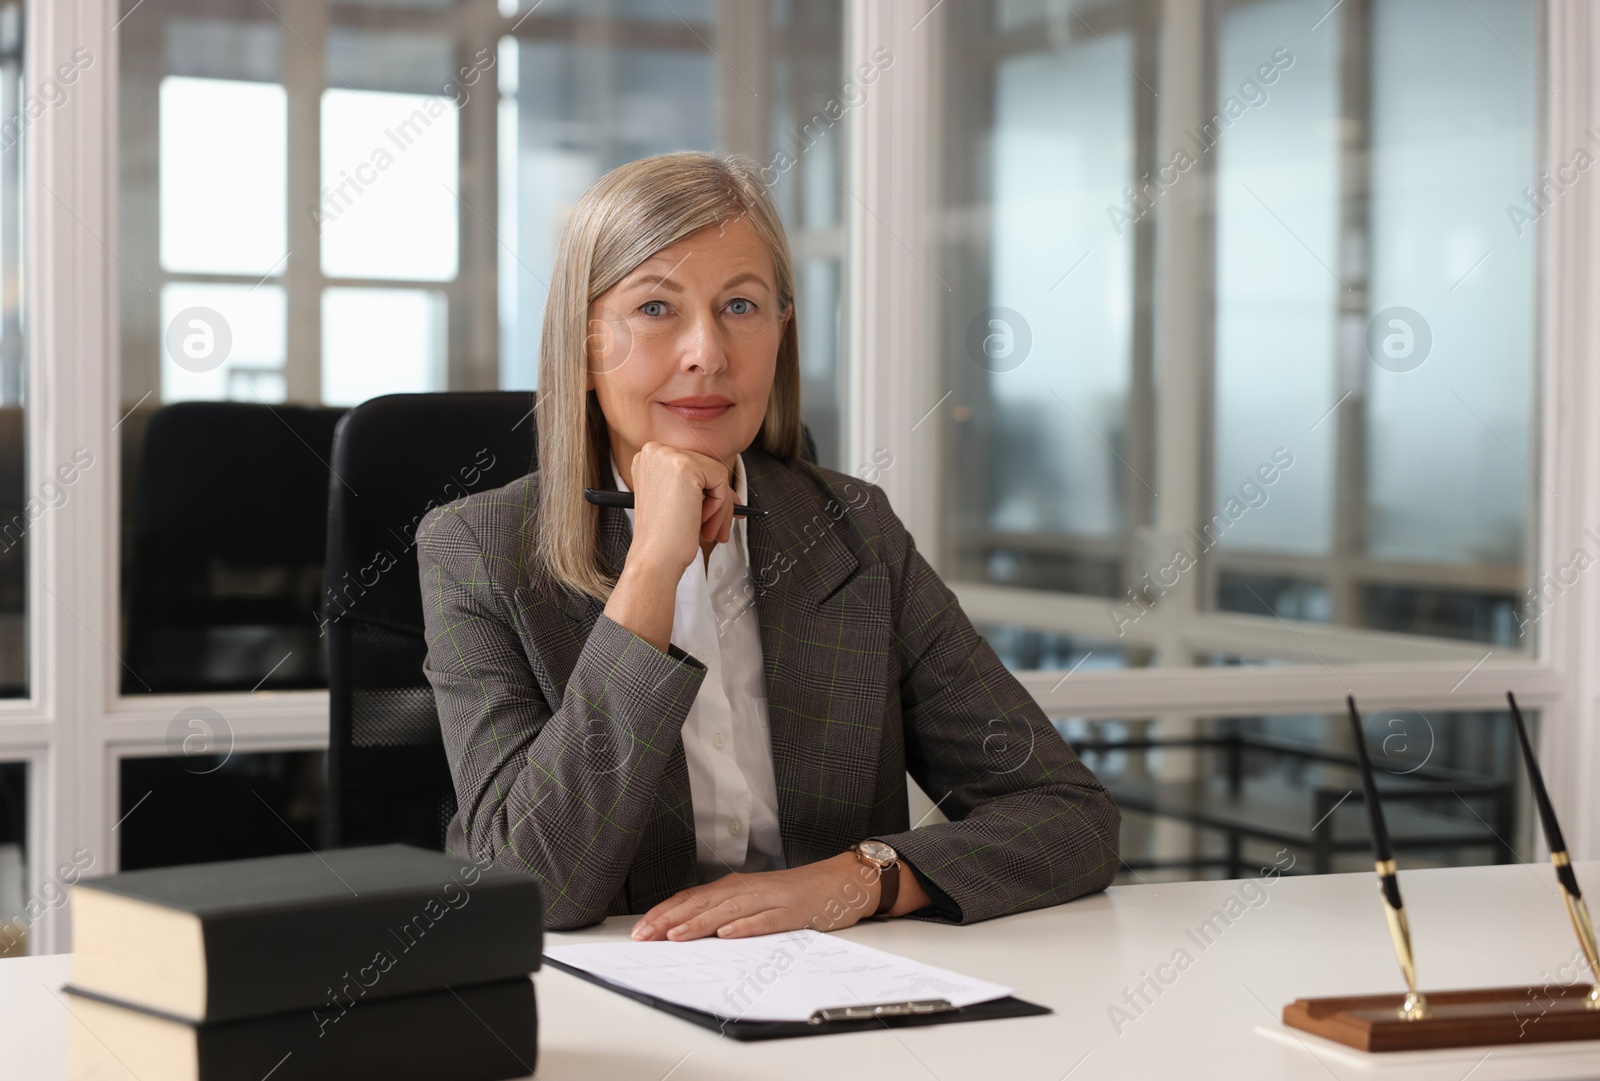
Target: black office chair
column 394, row 458
column 229, row 524
column 388, row 778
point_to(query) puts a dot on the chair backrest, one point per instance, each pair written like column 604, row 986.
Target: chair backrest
column 229, row 521
column 394, row 459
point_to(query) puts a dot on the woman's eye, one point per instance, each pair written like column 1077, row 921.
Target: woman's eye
column 740, row 306
column 654, row 307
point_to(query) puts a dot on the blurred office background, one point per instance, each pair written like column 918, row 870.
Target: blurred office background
column 1232, row 342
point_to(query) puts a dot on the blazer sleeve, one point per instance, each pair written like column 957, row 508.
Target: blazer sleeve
column 1030, row 826
column 559, row 793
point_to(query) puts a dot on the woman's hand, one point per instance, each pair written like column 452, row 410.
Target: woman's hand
column 682, row 499
column 825, row 896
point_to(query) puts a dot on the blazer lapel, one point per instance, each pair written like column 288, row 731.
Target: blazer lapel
column 824, row 640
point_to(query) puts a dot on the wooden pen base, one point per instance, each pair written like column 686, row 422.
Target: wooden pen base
column 1478, row 1018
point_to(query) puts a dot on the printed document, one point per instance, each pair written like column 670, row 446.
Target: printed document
column 781, row 977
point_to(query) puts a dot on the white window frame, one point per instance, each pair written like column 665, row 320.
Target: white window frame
column 75, row 726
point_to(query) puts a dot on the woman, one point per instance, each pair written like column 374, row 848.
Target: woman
column 704, row 718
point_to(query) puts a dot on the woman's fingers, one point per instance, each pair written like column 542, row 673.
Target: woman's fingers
column 683, row 907
column 671, row 912
column 726, row 910
column 693, row 913
column 719, row 526
column 716, row 509
column 666, row 482
column 766, row 922
column 667, row 505
column 711, row 515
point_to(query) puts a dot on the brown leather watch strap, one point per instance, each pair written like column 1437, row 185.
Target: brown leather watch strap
column 890, row 878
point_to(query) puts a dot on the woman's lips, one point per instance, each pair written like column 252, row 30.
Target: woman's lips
column 698, row 412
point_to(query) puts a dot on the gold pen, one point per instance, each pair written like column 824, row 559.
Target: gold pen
column 1577, row 908
column 1415, row 1007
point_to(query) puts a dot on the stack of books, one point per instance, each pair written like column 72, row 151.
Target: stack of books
column 387, row 962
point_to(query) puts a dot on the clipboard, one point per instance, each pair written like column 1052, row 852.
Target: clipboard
column 1009, row 1006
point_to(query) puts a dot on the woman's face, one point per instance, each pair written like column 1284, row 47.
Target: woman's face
column 683, row 349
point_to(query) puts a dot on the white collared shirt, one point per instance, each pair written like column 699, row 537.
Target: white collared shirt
column 725, row 736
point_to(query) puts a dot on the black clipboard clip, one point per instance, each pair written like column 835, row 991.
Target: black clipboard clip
column 882, row 1009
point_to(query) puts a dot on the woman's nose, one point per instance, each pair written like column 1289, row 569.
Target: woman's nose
column 703, row 346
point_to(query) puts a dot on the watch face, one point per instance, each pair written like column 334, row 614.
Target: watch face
column 878, row 852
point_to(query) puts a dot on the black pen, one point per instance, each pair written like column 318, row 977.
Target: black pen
column 604, row 497
column 1577, row 908
column 1415, row 1007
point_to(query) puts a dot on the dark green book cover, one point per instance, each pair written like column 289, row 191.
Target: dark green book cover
column 258, row 936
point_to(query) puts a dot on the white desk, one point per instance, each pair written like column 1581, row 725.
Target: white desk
column 1473, row 927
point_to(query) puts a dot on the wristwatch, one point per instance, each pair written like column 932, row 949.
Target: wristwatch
column 887, row 861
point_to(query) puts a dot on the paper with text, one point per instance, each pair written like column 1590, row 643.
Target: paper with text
column 781, row 977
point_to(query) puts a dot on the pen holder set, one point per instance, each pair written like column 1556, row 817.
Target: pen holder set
column 1486, row 1016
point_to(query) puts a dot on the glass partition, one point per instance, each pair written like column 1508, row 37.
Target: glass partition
column 1242, row 325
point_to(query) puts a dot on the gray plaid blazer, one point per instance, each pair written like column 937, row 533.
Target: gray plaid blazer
column 563, row 728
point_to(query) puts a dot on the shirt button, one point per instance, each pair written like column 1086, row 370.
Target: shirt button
column 735, row 826
column 720, row 570
column 718, row 740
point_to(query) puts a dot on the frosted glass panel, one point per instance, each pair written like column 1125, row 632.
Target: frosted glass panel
column 818, row 304
column 1448, row 438
column 381, row 341
column 222, row 154
column 390, row 178
column 1277, row 198
column 1058, row 328
column 1240, row 317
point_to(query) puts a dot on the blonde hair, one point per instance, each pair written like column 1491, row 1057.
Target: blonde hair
column 625, row 217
